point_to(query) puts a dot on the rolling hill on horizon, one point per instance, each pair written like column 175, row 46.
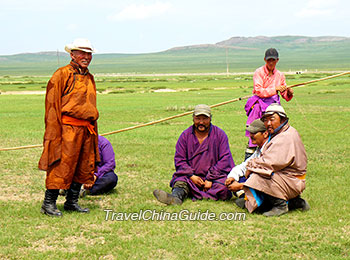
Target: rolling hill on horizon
column 242, row 54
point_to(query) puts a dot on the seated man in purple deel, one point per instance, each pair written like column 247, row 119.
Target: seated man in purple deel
column 202, row 161
column 105, row 178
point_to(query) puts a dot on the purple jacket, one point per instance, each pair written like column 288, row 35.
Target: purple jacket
column 107, row 163
column 211, row 160
column 254, row 108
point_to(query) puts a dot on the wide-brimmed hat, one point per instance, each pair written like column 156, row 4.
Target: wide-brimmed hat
column 80, row 45
column 274, row 108
column 202, row 109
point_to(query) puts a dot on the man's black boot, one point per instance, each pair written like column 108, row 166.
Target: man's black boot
column 298, row 203
column 279, row 207
column 71, row 203
column 175, row 198
column 180, row 193
column 49, row 205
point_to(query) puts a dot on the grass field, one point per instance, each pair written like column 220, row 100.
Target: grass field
column 320, row 112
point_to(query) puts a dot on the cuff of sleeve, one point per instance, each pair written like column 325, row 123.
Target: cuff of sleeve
column 233, row 175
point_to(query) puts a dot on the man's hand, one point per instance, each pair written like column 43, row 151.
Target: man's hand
column 281, row 88
column 207, row 185
column 89, row 186
column 197, row 181
column 290, row 91
column 235, row 186
column 229, row 181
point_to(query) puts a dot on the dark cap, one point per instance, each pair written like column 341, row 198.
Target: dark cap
column 271, row 54
column 256, row 126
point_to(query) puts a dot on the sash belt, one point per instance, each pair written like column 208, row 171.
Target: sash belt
column 301, row 177
column 67, row 120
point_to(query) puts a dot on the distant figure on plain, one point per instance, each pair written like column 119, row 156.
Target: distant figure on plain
column 202, row 161
column 70, row 141
column 268, row 81
column 278, row 174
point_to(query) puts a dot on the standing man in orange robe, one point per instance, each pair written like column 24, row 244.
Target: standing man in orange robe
column 70, row 141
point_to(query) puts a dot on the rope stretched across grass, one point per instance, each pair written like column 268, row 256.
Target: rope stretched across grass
column 180, row 115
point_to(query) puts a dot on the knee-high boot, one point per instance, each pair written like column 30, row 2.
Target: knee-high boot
column 49, row 205
column 71, row 203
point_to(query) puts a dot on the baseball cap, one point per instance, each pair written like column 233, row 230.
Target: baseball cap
column 256, row 126
column 202, row 109
column 271, row 54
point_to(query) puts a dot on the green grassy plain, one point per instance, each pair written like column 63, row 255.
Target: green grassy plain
column 296, row 53
column 320, row 112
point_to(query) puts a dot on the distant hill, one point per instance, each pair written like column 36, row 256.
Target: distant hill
column 280, row 41
column 243, row 54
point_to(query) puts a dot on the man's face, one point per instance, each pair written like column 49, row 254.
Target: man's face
column 82, row 58
column 272, row 122
column 201, row 123
column 271, row 64
column 259, row 138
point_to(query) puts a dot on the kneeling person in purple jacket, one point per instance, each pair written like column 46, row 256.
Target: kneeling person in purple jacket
column 105, row 178
column 202, row 161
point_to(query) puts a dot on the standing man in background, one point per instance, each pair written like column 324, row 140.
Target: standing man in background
column 70, row 141
column 268, row 81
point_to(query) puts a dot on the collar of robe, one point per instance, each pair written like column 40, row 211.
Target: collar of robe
column 275, row 132
column 77, row 67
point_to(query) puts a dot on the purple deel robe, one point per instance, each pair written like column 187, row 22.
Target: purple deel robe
column 254, row 108
column 107, row 163
column 211, row 160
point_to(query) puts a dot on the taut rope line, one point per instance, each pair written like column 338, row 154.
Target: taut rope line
column 171, row 117
column 181, row 115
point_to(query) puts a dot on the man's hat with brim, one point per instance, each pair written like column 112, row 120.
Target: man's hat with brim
column 202, row 109
column 271, row 53
column 274, row 108
column 80, row 45
column 256, row 126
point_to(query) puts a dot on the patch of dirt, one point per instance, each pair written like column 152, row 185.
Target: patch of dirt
column 164, row 90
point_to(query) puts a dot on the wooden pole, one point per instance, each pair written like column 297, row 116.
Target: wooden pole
column 171, row 117
column 183, row 114
column 317, row 80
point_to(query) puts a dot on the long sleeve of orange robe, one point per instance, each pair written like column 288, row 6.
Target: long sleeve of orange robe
column 57, row 102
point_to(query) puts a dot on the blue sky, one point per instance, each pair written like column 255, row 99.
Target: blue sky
column 135, row 26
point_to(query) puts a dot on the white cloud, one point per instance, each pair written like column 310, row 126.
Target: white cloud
column 140, row 11
column 313, row 12
column 72, row 27
column 317, row 8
